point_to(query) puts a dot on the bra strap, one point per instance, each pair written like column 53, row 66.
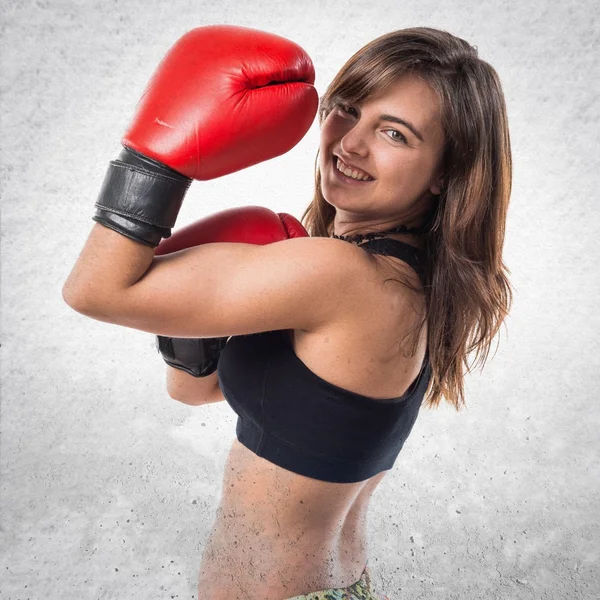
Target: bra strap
column 406, row 252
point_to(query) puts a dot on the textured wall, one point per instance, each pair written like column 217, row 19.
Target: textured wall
column 108, row 487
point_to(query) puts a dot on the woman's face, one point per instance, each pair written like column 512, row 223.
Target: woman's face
column 403, row 162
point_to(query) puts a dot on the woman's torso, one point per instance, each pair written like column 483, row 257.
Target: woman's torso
column 278, row 534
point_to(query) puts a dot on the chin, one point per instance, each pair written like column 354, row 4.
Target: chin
column 329, row 197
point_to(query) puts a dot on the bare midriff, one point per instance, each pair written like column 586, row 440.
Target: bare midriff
column 278, row 534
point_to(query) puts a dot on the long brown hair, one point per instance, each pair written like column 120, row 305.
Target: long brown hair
column 466, row 287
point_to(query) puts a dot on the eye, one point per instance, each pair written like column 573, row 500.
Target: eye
column 348, row 109
column 399, row 137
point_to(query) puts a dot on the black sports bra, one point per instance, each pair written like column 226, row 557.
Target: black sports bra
column 297, row 420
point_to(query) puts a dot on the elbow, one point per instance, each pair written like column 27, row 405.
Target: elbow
column 190, row 401
column 82, row 302
column 73, row 299
column 196, row 394
column 174, row 394
column 177, row 393
column 183, row 396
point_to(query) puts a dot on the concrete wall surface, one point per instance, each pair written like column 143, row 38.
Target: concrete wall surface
column 109, row 488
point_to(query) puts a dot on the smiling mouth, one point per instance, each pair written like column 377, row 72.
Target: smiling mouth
column 348, row 174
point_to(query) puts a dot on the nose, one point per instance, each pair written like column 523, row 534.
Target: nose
column 354, row 142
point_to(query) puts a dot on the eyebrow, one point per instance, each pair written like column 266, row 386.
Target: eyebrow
column 402, row 122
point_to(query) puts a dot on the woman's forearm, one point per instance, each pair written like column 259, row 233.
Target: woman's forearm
column 192, row 390
column 107, row 266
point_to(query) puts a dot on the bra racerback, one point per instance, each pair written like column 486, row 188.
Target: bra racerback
column 297, row 420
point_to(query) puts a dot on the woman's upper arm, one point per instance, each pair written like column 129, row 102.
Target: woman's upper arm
column 224, row 289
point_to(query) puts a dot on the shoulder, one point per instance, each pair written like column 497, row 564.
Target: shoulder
column 328, row 254
column 334, row 260
column 334, row 273
column 345, row 275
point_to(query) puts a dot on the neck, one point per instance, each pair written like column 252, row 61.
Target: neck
column 412, row 222
column 369, row 233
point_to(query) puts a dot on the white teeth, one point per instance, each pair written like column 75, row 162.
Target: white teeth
column 350, row 172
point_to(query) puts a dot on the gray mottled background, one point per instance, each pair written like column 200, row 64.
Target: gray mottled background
column 109, row 487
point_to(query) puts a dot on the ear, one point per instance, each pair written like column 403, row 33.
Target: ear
column 437, row 185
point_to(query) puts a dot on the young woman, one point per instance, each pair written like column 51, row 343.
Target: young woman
column 329, row 343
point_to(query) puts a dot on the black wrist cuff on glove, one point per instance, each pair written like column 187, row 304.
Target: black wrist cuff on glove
column 140, row 197
column 198, row 357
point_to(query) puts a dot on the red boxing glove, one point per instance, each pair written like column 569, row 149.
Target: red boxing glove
column 251, row 225
column 223, row 98
column 246, row 224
